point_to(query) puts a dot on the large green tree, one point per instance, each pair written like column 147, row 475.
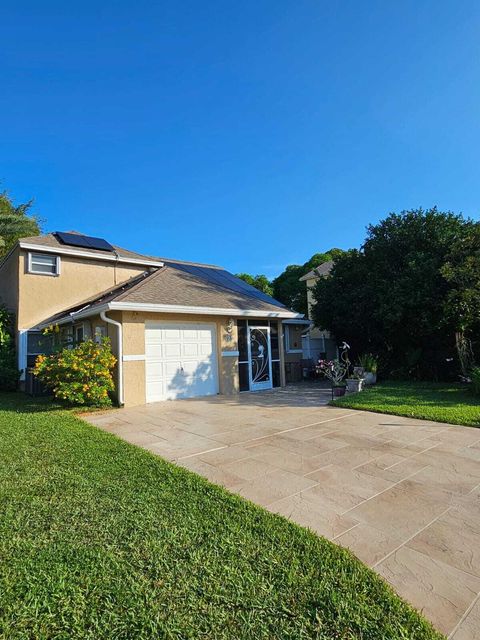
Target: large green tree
column 16, row 222
column 462, row 307
column 390, row 296
column 287, row 287
column 260, row 282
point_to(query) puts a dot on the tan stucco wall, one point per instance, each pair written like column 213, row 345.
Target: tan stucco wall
column 9, row 278
column 134, row 345
column 41, row 296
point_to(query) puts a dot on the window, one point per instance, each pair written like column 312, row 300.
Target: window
column 293, row 338
column 79, row 334
column 44, row 264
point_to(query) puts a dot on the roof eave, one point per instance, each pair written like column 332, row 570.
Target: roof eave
column 86, row 254
column 209, row 311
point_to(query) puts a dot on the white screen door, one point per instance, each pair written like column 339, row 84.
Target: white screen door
column 260, row 359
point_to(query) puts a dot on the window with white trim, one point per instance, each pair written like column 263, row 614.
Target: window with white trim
column 293, row 338
column 45, row 264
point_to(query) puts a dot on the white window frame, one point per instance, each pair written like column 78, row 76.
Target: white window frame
column 287, row 341
column 43, row 273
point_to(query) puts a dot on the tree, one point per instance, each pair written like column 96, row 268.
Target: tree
column 462, row 306
column 9, row 373
column 287, row 287
column 260, row 282
column 389, row 297
column 15, row 222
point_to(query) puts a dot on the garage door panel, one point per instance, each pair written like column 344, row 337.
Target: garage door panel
column 181, row 360
column 171, row 350
column 192, row 349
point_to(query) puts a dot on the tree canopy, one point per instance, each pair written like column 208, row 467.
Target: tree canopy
column 260, row 282
column 287, row 287
column 15, row 222
column 399, row 296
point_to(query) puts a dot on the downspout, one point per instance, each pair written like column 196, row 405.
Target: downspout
column 108, row 320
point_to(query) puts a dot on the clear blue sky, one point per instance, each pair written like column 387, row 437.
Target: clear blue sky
column 249, row 134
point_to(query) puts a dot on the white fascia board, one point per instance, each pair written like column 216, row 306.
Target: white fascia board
column 77, row 315
column 207, row 311
column 300, row 320
column 170, row 308
column 86, row 254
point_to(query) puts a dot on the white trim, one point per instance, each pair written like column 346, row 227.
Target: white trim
column 138, row 358
column 39, row 248
column 226, row 354
column 297, row 321
column 31, row 270
column 209, row 311
column 108, row 320
column 22, row 353
column 287, row 343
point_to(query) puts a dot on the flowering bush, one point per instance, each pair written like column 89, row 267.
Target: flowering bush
column 334, row 370
column 82, row 375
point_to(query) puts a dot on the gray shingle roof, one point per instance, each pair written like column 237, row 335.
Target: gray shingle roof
column 171, row 286
column 322, row 270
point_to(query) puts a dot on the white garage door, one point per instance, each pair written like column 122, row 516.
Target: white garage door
column 181, row 360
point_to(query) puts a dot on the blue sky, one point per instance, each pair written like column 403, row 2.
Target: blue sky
column 248, row 134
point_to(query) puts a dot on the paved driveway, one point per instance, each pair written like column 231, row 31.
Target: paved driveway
column 402, row 494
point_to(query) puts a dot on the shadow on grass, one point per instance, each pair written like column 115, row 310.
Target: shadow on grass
column 19, row 402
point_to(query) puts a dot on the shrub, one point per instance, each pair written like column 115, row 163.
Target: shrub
column 476, row 380
column 81, row 375
column 369, row 363
column 9, row 373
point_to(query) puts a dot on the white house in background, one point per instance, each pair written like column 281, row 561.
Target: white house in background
column 316, row 343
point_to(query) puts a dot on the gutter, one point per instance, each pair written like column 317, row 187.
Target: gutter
column 108, row 320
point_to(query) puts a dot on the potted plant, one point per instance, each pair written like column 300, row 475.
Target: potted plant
column 355, row 383
column 369, row 363
column 335, row 371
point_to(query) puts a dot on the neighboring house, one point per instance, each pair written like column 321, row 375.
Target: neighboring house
column 317, row 343
column 178, row 329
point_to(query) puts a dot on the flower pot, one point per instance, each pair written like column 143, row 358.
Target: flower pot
column 354, row 385
column 370, row 378
column 338, row 391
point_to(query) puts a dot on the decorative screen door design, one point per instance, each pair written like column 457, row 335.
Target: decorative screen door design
column 260, row 359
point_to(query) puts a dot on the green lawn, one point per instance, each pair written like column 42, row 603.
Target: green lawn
column 431, row 401
column 100, row 539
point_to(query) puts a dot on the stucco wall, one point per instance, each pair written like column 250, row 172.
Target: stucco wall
column 42, row 296
column 9, row 278
column 134, row 345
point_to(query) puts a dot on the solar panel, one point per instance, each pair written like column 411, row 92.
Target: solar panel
column 225, row 279
column 86, row 242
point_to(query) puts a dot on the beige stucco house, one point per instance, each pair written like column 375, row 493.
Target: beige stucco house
column 178, row 329
column 317, row 343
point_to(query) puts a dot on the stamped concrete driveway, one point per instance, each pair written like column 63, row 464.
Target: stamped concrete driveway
column 402, row 494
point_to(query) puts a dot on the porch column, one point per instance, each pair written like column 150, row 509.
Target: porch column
column 282, row 354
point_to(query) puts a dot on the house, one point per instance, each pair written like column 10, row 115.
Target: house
column 178, row 329
column 316, row 342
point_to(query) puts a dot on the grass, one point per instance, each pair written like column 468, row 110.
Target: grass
column 100, row 539
column 450, row 403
